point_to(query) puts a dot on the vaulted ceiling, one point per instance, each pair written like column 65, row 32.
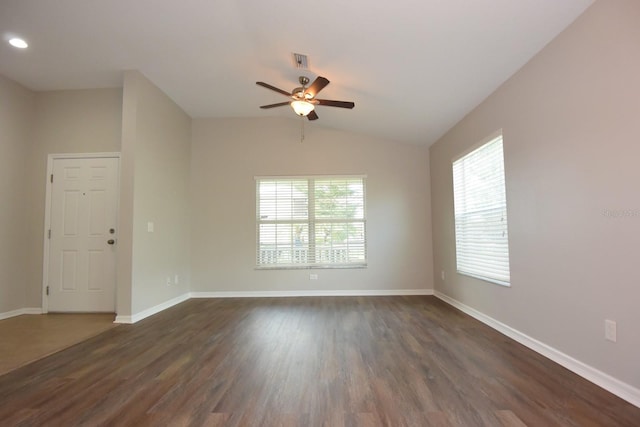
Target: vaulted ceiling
column 413, row 67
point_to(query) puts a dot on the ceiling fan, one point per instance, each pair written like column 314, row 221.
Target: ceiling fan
column 304, row 98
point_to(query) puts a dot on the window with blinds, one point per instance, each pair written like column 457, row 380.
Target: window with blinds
column 306, row 222
column 482, row 243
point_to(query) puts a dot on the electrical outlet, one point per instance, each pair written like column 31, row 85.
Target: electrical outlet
column 442, row 274
column 176, row 279
column 313, row 277
column 168, row 280
column 610, row 327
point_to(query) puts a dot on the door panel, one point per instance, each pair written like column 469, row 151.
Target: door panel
column 83, row 211
column 97, row 212
column 70, row 213
column 69, row 270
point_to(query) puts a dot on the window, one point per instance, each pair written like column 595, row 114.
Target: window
column 482, row 244
column 305, row 222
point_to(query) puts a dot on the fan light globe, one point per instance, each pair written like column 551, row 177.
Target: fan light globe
column 18, row 42
column 302, row 108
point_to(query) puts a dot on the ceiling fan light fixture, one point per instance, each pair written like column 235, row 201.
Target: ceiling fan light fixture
column 302, row 108
column 303, row 100
column 19, row 43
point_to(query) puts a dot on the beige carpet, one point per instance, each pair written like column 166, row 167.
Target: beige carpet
column 26, row 338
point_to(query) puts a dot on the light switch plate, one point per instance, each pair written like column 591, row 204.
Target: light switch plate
column 610, row 332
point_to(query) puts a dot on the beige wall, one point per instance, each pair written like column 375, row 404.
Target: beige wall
column 71, row 121
column 17, row 106
column 156, row 141
column 571, row 139
column 228, row 153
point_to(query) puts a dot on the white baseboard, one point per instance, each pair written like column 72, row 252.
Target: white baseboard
column 19, row 312
column 127, row 320
column 313, row 293
column 607, row 382
column 152, row 310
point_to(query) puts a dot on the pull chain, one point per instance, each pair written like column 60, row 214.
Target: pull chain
column 301, row 129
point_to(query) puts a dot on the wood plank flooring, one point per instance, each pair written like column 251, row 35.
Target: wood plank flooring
column 343, row 361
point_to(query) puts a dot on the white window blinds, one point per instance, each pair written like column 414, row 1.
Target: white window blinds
column 310, row 222
column 482, row 244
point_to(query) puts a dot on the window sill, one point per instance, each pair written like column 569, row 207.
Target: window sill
column 311, row 267
column 486, row 279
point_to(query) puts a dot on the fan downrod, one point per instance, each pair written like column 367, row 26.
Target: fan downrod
column 299, row 92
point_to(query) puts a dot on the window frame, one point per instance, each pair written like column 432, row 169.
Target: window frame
column 504, row 207
column 310, row 222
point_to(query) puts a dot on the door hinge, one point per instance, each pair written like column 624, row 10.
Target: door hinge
column 47, row 290
column 51, row 178
column 49, row 233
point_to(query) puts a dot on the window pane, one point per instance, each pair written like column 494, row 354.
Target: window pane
column 339, row 198
column 283, row 244
column 482, row 241
column 312, row 221
column 283, row 199
column 340, row 242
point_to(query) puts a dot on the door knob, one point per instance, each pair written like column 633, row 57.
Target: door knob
column 111, row 241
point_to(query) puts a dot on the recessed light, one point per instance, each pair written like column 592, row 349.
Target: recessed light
column 18, row 42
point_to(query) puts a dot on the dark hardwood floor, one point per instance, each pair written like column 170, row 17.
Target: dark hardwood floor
column 371, row 361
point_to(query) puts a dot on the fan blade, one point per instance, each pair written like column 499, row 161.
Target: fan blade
column 341, row 104
column 268, row 86
column 312, row 116
column 279, row 104
column 317, row 85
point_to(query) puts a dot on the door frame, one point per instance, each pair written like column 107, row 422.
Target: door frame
column 47, row 213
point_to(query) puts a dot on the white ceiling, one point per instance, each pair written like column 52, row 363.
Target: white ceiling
column 413, row 67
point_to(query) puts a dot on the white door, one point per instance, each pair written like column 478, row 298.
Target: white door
column 82, row 247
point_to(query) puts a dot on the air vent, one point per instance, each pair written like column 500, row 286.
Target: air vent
column 300, row 61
